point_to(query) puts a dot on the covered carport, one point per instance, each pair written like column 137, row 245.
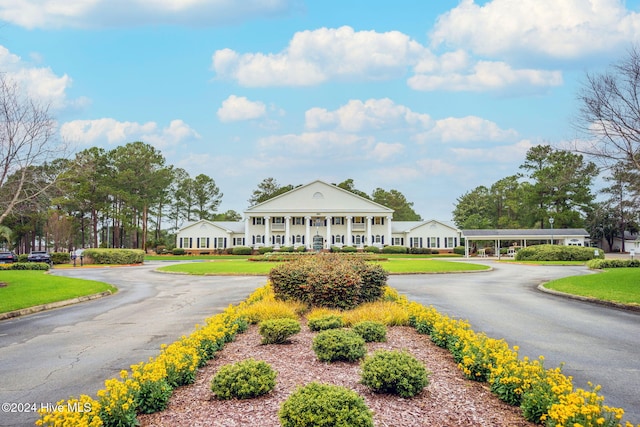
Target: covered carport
column 520, row 237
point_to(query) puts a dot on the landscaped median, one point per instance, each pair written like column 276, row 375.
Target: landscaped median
column 545, row 395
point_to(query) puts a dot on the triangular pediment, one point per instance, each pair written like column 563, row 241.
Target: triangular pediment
column 319, row 197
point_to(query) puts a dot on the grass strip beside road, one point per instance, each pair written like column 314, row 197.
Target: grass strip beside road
column 22, row 289
column 244, row 267
column 615, row 284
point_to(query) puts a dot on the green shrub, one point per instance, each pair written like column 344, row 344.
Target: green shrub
column 324, row 405
column 27, row 266
column 329, row 280
column 325, row 322
column 348, row 249
column 23, row 257
column 153, row 396
column 243, row 380
column 458, row 250
column 394, row 250
column 422, row 251
column 395, row 372
column 599, row 263
column 241, row 250
column 265, row 249
column 287, row 249
column 371, row 331
column 339, row 345
column 278, row 331
column 372, row 249
column 115, row 256
column 60, row 257
column 557, row 253
column 178, row 251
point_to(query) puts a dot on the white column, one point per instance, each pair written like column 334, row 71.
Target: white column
column 328, row 218
column 247, row 239
column 389, row 232
column 367, row 238
column 307, row 226
column 287, row 236
column 267, row 231
column 349, row 238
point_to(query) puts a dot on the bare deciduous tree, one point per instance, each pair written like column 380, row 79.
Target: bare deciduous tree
column 609, row 114
column 26, row 140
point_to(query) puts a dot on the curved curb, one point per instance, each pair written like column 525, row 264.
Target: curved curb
column 611, row 304
column 52, row 305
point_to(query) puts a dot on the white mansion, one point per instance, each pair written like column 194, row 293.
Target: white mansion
column 317, row 216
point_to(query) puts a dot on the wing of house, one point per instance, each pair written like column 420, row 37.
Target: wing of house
column 317, row 216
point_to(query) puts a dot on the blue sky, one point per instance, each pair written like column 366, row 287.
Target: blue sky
column 431, row 98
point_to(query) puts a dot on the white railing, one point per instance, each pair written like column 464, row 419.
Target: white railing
column 277, row 227
column 358, row 227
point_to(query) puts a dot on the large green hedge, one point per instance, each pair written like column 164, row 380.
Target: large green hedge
column 114, row 256
column 329, row 280
column 558, row 253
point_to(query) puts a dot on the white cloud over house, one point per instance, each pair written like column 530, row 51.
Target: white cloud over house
column 372, row 114
column 316, row 56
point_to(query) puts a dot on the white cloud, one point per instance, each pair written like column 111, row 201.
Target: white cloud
column 436, row 167
column 313, row 57
column 39, row 83
column 113, row 132
column 486, row 76
column 514, row 153
column 237, row 108
column 551, row 28
column 116, row 13
column 384, row 151
column 466, row 129
column 373, row 114
column 319, row 144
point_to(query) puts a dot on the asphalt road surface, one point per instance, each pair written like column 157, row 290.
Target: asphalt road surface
column 52, row 355
column 595, row 343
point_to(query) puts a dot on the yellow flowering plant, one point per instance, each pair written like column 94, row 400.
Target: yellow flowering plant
column 81, row 412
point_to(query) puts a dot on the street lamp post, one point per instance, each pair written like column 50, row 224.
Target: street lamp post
column 551, row 222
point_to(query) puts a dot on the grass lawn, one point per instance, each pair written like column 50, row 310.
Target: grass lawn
column 244, row 267
column 29, row 288
column 615, row 284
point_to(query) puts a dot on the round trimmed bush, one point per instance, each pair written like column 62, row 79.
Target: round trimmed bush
column 325, row 322
column 243, row 380
column 324, row 405
column 394, row 372
column 339, row 344
column 371, row 331
column 278, row 331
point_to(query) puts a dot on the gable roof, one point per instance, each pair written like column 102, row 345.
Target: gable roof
column 408, row 226
column 226, row 226
column 316, row 197
column 525, row 233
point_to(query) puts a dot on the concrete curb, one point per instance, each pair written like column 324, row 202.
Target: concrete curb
column 612, row 304
column 52, row 305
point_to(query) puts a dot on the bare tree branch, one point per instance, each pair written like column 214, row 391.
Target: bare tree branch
column 26, row 140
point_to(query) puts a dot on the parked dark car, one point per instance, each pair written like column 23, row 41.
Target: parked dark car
column 7, row 257
column 39, row 256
